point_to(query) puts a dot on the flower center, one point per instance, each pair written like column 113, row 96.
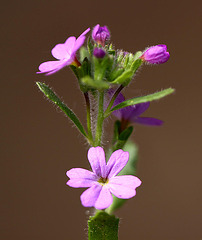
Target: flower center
column 103, row 181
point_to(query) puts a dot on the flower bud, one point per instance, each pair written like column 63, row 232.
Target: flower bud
column 99, row 53
column 156, row 54
column 100, row 34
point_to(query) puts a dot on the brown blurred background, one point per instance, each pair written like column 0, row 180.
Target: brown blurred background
column 39, row 144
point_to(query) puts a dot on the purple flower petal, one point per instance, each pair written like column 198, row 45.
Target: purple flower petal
column 105, row 199
column 95, row 29
column 117, row 162
column 81, row 173
column 60, row 51
column 148, row 121
column 90, row 196
column 124, row 186
column 84, row 33
column 51, row 66
column 140, row 108
column 80, row 183
column 80, row 177
column 80, row 40
column 69, row 43
column 96, row 157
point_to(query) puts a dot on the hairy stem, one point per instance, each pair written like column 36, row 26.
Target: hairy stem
column 90, row 136
column 100, row 119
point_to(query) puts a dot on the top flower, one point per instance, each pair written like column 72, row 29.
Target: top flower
column 65, row 53
column 156, row 54
column 103, row 180
column 100, row 34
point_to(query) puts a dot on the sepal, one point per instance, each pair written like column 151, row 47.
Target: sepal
column 91, row 84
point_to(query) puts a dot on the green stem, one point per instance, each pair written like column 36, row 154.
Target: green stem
column 112, row 100
column 100, row 119
column 90, row 136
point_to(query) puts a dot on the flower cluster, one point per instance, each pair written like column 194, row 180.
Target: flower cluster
column 100, row 69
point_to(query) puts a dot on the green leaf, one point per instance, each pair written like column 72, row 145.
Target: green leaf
column 52, row 96
column 103, row 226
column 148, row 98
column 129, row 169
column 89, row 82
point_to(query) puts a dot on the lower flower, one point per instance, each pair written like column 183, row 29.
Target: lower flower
column 102, row 182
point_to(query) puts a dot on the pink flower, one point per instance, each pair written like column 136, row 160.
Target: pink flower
column 103, row 182
column 65, row 53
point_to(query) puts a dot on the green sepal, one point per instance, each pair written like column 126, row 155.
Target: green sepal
column 90, row 46
column 100, row 67
column 122, row 138
column 111, row 50
column 147, row 98
column 115, row 74
column 137, row 55
column 55, row 99
column 85, row 68
column 136, row 64
column 75, row 71
column 130, row 61
column 124, row 77
column 90, row 83
column 117, row 126
column 83, row 54
column 129, row 169
column 103, row 226
column 126, row 133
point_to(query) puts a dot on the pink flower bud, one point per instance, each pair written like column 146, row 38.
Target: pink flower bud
column 100, row 34
column 99, row 53
column 156, row 54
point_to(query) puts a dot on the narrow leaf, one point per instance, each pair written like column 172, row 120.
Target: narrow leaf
column 103, row 226
column 52, row 96
column 148, row 98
